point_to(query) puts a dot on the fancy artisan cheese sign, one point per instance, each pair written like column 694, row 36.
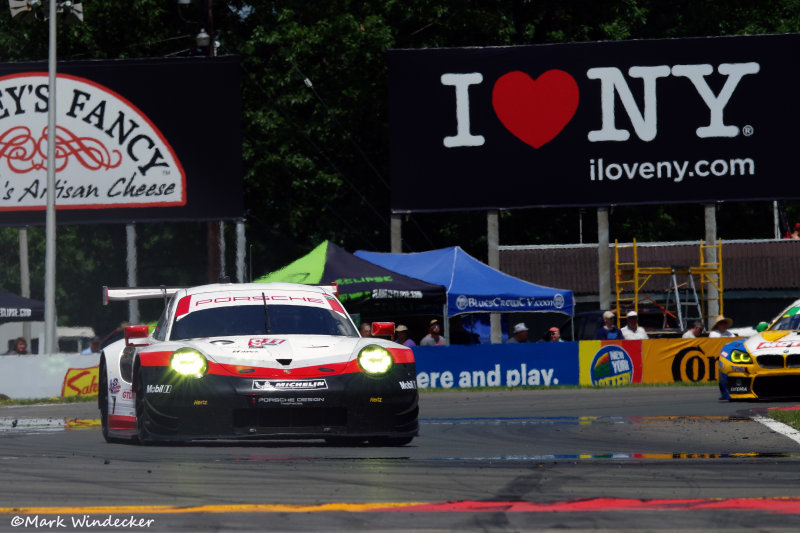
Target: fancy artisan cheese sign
column 108, row 153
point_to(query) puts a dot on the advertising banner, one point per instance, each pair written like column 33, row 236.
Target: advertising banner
column 80, row 382
column 497, row 365
column 610, row 363
column 600, row 123
column 676, row 360
column 136, row 140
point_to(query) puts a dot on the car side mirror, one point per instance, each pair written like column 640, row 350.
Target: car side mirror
column 136, row 332
column 761, row 326
column 383, row 329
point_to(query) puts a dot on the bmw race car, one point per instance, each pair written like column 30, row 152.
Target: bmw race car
column 766, row 365
column 259, row 360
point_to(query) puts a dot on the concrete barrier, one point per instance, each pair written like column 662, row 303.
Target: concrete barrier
column 591, row 363
column 48, row 376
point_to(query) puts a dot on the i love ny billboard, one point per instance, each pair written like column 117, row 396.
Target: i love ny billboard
column 593, row 124
column 136, row 140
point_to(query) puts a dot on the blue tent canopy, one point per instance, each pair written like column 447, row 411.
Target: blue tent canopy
column 472, row 286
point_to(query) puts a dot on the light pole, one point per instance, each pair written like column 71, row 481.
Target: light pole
column 26, row 10
column 50, row 339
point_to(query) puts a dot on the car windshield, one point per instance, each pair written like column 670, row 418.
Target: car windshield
column 251, row 320
column 787, row 322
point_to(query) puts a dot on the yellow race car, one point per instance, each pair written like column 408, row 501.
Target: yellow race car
column 766, row 365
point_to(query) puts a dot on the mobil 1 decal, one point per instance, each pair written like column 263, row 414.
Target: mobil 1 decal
column 107, row 152
column 623, row 122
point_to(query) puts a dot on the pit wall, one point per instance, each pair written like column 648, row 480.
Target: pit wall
column 591, row 363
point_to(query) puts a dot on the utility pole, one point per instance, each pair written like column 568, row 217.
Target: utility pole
column 213, row 227
column 50, row 339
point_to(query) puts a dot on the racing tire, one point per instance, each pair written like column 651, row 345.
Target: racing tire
column 143, row 435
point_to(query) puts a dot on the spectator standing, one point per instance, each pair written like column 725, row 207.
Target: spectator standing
column 366, row 329
column 402, row 336
column 632, row 331
column 519, row 334
column 434, row 337
column 695, row 331
column 609, row 331
column 720, row 327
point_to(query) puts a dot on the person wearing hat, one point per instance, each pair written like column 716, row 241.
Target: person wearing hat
column 720, row 327
column 434, row 336
column 519, row 334
column 609, row 331
column 402, row 336
column 632, row 332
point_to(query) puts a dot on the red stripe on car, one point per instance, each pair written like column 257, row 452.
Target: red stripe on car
column 244, row 371
column 336, row 305
column 121, row 422
column 402, row 355
column 183, row 306
column 155, row 358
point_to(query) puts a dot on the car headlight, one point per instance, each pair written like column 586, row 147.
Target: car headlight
column 375, row 360
column 189, row 362
column 740, row 357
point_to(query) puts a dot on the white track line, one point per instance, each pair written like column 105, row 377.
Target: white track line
column 779, row 427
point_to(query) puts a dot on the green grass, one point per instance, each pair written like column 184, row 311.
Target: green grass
column 5, row 400
column 568, row 387
column 790, row 418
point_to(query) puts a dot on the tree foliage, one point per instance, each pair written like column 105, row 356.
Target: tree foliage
column 315, row 127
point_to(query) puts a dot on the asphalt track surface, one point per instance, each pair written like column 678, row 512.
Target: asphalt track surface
column 635, row 459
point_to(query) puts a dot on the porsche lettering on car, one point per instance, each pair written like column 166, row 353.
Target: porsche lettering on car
column 765, row 365
column 259, row 360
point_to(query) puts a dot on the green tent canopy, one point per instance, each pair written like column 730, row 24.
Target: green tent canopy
column 359, row 281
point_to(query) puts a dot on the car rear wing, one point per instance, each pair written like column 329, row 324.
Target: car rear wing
column 116, row 294
column 332, row 289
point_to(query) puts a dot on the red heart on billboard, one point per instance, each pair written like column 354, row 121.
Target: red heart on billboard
column 535, row 111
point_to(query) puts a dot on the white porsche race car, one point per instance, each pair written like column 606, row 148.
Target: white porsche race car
column 259, row 360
